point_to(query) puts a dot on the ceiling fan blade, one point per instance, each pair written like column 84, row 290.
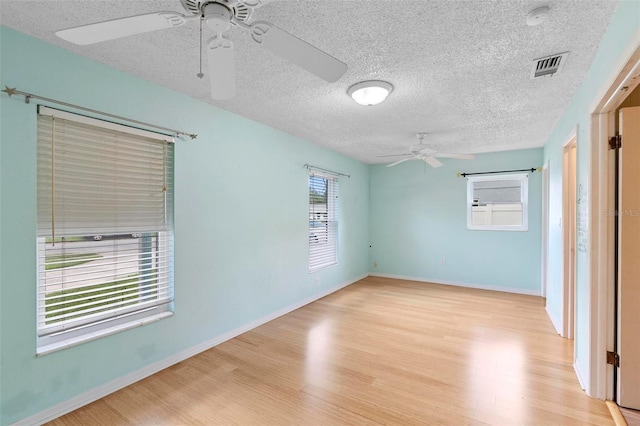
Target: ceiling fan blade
column 222, row 68
column 393, row 155
column 299, row 52
column 400, row 161
column 458, row 156
column 117, row 28
column 433, row 162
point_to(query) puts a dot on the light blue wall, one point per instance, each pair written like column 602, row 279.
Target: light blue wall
column 624, row 23
column 1, row 239
column 241, row 233
column 418, row 218
column 233, row 265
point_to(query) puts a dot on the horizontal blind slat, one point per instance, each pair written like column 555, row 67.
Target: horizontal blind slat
column 90, row 306
column 91, row 294
column 75, row 280
column 64, row 310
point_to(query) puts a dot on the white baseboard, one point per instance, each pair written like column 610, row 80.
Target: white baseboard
column 581, row 376
column 460, row 284
column 128, row 379
column 554, row 320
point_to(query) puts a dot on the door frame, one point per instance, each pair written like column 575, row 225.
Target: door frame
column 600, row 329
column 569, row 197
column 544, row 268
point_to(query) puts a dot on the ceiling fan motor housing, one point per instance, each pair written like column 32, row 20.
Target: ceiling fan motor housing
column 240, row 9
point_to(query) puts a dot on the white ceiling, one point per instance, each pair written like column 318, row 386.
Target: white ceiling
column 460, row 68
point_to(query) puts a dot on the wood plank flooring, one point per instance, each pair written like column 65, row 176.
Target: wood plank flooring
column 632, row 417
column 380, row 351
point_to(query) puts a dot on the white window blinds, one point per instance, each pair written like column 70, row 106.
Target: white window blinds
column 105, row 246
column 323, row 220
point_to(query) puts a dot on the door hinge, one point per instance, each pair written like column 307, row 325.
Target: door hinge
column 613, row 359
column 615, row 142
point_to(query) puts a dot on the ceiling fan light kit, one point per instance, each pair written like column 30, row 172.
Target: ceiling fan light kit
column 217, row 17
column 371, row 92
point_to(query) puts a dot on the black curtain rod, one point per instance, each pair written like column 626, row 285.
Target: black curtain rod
column 533, row 169
column 309, row 167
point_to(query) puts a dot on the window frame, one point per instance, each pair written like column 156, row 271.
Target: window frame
column 128, row 308
column 524, row 200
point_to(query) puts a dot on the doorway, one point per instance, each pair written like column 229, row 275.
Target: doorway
column 569, row 236
column 606, row 380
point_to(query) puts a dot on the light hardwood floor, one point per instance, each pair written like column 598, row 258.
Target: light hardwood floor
column 632, row 417
column 380, row 351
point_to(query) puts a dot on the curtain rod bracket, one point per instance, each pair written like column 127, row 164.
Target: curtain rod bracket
column 10, row 91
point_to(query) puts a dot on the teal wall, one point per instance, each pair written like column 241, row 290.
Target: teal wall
column 624, row 24
column 419, row 216
column 241, row 223
column 1, row 239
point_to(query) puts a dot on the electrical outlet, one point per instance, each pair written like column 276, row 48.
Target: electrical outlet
column 317, row 281
column 375, row 264
column 442, row 261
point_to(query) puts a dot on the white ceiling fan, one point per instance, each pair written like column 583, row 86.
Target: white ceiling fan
column 430, row 156
column 218, row 15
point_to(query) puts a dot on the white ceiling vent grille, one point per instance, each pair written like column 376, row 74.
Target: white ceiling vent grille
column 549, row 65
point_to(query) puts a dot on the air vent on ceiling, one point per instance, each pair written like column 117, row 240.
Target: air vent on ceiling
column 549, row 65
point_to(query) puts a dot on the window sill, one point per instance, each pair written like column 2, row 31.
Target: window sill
column 64, row 344
column 498, row 228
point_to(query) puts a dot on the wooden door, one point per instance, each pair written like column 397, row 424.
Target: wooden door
column 628, row 372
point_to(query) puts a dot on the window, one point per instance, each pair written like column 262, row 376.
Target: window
column 105, row 243
column 323, row 221
column 497, row 202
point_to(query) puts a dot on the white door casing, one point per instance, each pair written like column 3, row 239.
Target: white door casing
column 569, row 237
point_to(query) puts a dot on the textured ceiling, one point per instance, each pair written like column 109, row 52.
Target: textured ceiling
column 460, row 68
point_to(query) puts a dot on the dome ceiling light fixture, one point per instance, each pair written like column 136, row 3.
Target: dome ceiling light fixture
column 370, row 92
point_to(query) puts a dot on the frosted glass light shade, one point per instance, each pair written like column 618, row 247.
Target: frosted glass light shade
column 371, row 92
